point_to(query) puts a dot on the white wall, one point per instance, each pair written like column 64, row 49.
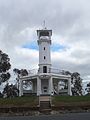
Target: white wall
column 45, row 53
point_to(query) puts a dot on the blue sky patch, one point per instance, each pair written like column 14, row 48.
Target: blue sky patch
column 56, row 47
column 34, row 45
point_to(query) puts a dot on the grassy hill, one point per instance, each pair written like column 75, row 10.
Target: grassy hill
column 71, row 100
column 32, row 101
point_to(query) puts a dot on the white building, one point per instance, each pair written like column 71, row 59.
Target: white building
column 45, row 80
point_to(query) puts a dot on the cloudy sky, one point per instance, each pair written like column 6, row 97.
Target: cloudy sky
column 70, row 22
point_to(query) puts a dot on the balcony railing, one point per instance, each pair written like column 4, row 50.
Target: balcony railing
column 50, row 70
column 56, row 71
column 33, row 71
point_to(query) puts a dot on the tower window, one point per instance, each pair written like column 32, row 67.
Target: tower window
column 44, row 69
column 44, row 57
column 44, row 48
column 44, row 33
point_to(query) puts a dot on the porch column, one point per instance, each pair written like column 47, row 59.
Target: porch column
column 69, row 87
column 38, row 86
column 34, row 86
column 20, row 87
column 50, row 86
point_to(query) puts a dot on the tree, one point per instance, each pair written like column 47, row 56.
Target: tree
column 4, row 67
column 10, row 91
column 1, row 95
column 77, row 83
column 88, row 88
column 22, row 72
column 67, row 73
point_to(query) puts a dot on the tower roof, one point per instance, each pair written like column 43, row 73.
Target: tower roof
column 44, row 32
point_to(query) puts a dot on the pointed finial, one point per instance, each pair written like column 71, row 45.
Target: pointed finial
column 44, row 25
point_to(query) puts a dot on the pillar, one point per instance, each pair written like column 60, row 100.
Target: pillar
column 51, row 86
column 20, row 87
column 38, row 86
column 69, row 87
column 34, row 88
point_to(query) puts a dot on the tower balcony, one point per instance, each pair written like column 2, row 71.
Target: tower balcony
column 44, row 39
column 50, row 70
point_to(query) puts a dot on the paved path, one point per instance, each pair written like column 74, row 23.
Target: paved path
column 71, row 116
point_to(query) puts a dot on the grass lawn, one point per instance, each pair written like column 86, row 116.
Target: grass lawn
column 30, row 101
column 71, row 100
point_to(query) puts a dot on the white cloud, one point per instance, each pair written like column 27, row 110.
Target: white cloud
column 69, row 20
column 25, row 58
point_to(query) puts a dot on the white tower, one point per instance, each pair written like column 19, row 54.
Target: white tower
column 44, row 42
column 45, row 81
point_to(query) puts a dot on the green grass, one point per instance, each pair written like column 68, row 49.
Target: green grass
column 32, row 101
column 71, row 98
column 19, row 101
column 71, row 101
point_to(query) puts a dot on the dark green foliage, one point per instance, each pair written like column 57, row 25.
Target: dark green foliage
column 16, row 71
column 1, row 95
column 67, row 73
column 10, row 91
column 77, row 83
column 4, row 67
column 22, row 72
column 5, row 76
column 88, row 88
column 88, row 85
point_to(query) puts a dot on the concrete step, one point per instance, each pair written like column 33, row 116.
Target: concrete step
column 45, row 98
column 45, row 104
column 45, row 107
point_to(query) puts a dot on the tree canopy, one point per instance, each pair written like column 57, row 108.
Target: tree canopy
column 76, row 82
column 4, row 67
column 22, row 72
column 88, row 88
column 10, row 91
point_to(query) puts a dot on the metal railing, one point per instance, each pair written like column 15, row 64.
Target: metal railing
column 57, row 71
column 50, row 70
column 32, row 72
